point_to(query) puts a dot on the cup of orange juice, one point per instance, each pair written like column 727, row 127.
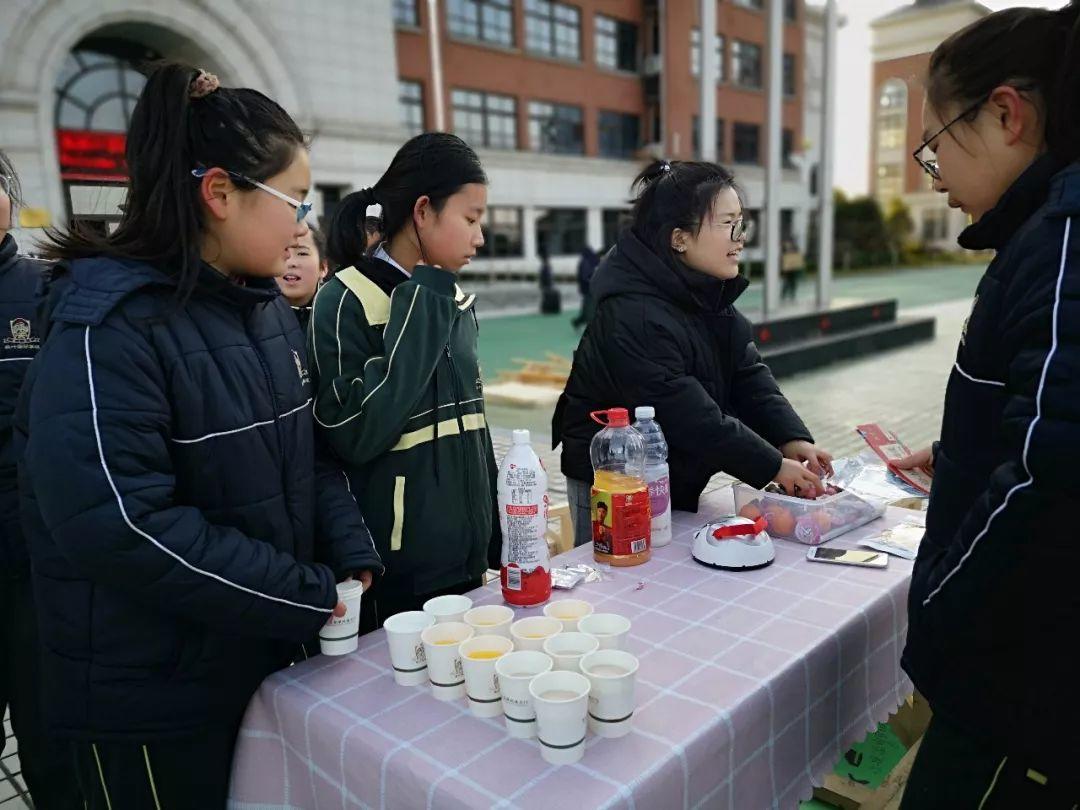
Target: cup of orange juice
column 442, row 648
column 478, row 656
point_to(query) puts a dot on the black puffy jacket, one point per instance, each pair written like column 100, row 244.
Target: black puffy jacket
column 994, row 604
column 675, row 341
column 170, row 486
column 20, row 279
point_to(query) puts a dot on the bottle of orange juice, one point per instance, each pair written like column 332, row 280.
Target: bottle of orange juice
column 621, row 517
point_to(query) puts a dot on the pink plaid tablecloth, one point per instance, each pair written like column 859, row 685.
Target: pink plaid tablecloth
column 750, row 688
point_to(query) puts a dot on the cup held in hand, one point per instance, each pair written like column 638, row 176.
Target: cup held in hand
column 341, row 635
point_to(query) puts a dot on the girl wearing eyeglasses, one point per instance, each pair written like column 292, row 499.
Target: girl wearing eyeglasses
column 399, row 395
column 993, row 601
column 184, row 539
column 666, row 334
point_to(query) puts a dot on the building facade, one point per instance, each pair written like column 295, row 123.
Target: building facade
column 564, row 101
column 902, row 44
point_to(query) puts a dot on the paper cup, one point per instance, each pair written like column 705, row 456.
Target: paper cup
column 611, row 675
column 450, row 608
column 567, row 650
column 407, row 655
column 340, row 636
column 516, row 671
column 569, row 612
column 478, row 656
column 490, row 620
column 531, row 633
column 562, row 701
column 610, row 629
column 442, row 648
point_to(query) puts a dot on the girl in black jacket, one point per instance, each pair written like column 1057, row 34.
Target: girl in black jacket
column 184, row 539
column 993, row 604
column 666, row 334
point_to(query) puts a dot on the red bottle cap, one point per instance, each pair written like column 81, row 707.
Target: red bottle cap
column 616, row 417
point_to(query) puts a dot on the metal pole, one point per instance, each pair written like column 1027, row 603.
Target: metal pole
column 770, row 242
column 825, row 175
column 707, row 78
column 435, row 49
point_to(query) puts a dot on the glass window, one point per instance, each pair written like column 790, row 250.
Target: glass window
column 787, row 147
column 791, row 10
column 555, row 128
column 789, row 74
column 485, row 20
column 890, row 181
column 561, row 230
column 411, row 96
column 502, row 233
column 721, row 142
column 747, row 139
column 753, row 218
column 405, row 13
column 746, row 64
column 892, row 115
column 620, row 134
column 754, row 4
column 97, row 89
column 553, row 29
column 616, row 44
column 935, row 224
column 330, row 195
column 695, row 54
column 485, row 119
column 615, row 219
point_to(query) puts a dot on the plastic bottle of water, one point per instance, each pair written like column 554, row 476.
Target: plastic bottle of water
column 657, row 474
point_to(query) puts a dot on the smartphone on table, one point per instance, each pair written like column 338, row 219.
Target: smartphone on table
column 848, row 556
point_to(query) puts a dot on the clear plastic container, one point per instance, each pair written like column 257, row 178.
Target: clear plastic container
column 657, row 473
column 805, row 521
column 621, row 517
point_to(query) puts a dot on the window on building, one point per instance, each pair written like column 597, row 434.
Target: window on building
column 556, row 128
column 695, row 54
column 935, row 224
column 615, row 219
column 411, row 96
column 787, row 225
column 485, row 119
column 789, row 75
column 721, row 143
column 329, row 197
column 620, row 134
column 815, row 173
column 561, row 231
column 746, row 64
column 753, row 219
column 486, row 20
column 759, row 5
column 892, row 115
column 787, row 148
column 747, row 143
column 890, row 182
column 502, row 229
column 616, row 44
column 791, row 10
column 406, row 13
column 553, row 29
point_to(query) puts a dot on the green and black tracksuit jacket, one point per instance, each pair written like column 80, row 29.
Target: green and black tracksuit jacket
column 399, row 398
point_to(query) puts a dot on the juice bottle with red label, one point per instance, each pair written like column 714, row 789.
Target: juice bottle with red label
column 523, row 514
column 621, row 514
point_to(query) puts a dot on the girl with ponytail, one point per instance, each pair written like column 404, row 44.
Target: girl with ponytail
column 398, row 389
column 993, row 597
column 184, row 539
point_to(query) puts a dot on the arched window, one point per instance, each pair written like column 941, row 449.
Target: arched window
column 98, row 86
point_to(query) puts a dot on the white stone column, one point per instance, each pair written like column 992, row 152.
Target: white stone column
column 594, row 228
column 770, row 242
column 707, row 82
column 825, row 174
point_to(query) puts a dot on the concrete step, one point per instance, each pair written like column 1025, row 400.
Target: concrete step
column 815, row 352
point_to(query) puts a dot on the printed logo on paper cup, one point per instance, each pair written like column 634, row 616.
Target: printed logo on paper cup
column 495, row 684
column 419, row 655
column 459, row 670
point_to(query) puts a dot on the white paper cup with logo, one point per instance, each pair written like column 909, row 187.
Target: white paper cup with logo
column 341, row 635
column 516, row 671
column 611, row 675
column 531, row 633
column 569, row 612
column 567, row 650
column 478, row 656
column 442, row 648
column 490, row 620
column 449, row 608
column 561, row 700
column 407, row 655
column 610, row 629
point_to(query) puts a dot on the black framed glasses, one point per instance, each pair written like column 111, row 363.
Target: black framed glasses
column 302, row 208
column 742, row 229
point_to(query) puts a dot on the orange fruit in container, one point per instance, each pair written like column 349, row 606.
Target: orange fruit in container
column 781, row 521
column 823, row 520
column 750, row 511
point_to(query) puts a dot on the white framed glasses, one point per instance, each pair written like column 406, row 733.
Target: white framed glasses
column 302, row 208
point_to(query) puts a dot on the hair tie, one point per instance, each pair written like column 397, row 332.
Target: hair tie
column 203, row 85
column 665, row 167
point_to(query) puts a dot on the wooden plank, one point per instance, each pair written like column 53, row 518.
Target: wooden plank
column 891, row 791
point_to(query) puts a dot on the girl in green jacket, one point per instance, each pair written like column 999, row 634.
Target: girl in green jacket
column 399, row 396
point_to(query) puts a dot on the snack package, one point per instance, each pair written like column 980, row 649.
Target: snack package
column 867, row 476
column 901, row 540
column 888, row 447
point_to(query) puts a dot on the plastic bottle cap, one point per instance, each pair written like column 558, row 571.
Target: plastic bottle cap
column 644, row 412
column 616, row 417
column 521, row 437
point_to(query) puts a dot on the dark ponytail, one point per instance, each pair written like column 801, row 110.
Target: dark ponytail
column 676, row 195
column 11, row 183
column 171, row 134
column 433, row 164
column 1029, row 48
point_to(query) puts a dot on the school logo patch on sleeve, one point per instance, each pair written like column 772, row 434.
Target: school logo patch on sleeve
column 300, row 370
column 21, row 338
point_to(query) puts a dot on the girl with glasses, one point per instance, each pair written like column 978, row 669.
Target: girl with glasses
column 666, row 333
column 184, row 538
column 993, row 598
